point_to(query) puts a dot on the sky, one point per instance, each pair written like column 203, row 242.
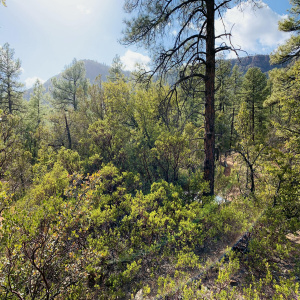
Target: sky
column 47, row 34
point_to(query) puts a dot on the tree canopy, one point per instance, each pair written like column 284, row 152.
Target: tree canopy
column 291, row 49
column 190, row 50
column 10, row 88
column 103, row 189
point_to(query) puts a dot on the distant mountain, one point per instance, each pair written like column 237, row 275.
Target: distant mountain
column 92, row 68
column 260, row 61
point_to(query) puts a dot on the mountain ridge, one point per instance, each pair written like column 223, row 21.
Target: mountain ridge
column 261, row 61
column 94, row 68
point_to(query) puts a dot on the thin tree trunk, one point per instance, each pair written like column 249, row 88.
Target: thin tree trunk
column 253, row 116
column 74, row 101
column 68, row 132
column 252, row 189
column 9, row 96
column 231, row 130
column 209, row 141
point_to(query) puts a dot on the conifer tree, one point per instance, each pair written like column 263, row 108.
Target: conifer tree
column 191, row 52
column 223, row 105
column 116, row 69
column 36, row 103
column 65, row 89
column 35, row 118
column 236, row 86
column 10, row 88
column 291, row 49
column 254, row 94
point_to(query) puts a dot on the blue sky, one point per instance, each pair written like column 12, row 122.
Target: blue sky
column 48, row 34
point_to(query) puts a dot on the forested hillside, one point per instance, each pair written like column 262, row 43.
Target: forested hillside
column 259, row 61
column 92, row 70
column 104, row 184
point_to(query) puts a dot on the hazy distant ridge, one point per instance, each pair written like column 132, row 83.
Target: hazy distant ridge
column 260, row 61
column 94, row 68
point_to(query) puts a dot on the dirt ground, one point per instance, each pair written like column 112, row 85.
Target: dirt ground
column 294, row 237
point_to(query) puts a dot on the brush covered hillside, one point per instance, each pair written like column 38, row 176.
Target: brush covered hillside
column 136, row 189
column 103, row 196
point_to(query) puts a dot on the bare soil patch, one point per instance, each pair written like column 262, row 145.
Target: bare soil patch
column 294, row 237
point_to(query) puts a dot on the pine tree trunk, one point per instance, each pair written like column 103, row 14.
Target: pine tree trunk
column 9, row 98
column 74, row 102
column 252, row 189
column 253, row 118
column 68, row 133
column 209, row 141
column 232, row 127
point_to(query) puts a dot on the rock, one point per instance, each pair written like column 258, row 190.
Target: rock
column 139, row 295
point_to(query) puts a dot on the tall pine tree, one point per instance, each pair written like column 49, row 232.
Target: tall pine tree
column 10, row 88
column 191, row 51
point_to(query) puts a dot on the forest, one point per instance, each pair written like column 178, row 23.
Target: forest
column 183, row 183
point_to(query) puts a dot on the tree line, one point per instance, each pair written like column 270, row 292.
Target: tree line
column 130, row 124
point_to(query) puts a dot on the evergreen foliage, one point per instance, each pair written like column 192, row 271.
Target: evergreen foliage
column 102, row 192
column 66, row 88
column 291, row 49
column 10, row 89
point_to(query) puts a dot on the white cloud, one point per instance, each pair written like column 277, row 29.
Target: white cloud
column 131, row 59
column 30, row 81
column 253, row 30
column 83, row 9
